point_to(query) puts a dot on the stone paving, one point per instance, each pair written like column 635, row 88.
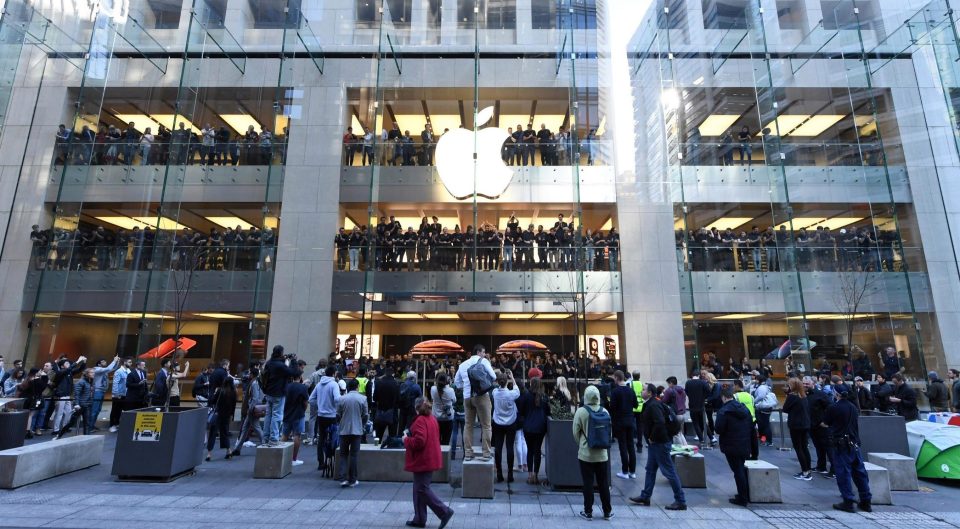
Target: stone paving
column 224, row 494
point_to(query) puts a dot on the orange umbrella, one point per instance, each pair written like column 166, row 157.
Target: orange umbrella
column 522, row 346
column 436, row 347
column 168, row 346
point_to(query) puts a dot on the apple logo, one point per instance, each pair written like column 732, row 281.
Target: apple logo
column 455, row 150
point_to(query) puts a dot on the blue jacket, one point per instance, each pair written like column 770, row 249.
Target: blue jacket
column 119, row 388
column 100, row 375
column 326, row 396
column 734, row 425
column 534, row 417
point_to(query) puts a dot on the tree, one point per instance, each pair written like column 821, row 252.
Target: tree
column 855, row 290
column 182, row 277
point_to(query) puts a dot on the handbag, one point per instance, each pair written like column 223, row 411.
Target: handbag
column 260, row 410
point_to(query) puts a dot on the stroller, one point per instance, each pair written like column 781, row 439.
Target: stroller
column 331, row 443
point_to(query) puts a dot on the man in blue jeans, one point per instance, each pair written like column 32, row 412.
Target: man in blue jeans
column 100, row 380
column 276, row 374
column 658, row 452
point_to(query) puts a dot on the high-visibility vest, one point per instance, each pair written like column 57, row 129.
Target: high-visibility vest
column 362, row 381
column 744, row 398
column 638, row 391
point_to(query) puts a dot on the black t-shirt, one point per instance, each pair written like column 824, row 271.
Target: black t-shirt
column 293, row 408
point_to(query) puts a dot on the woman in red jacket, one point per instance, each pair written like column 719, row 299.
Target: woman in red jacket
column 423, row 457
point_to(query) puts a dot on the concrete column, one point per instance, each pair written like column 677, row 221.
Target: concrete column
column 301, row 319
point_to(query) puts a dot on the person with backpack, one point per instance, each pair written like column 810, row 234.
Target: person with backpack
column 534, row 410
column 443, row 398
column 593, row 430
column 676, row 397
column 656, row 421
column 477, row 379
column 734, row 427
column 325, row 397
column 410, row 391
column 622, row 403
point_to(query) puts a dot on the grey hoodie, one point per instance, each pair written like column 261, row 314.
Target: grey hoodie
column 326, row 396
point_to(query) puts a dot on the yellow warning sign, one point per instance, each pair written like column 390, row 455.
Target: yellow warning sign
column 146, row 426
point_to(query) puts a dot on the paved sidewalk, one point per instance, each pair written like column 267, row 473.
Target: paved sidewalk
column 223, row 494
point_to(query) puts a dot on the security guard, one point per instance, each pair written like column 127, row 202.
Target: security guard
column 841, row 418
column 637, row 386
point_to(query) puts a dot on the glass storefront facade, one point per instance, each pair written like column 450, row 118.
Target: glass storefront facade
column 660, row 186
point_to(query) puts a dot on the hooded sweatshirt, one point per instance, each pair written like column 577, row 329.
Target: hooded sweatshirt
column 326, row 396
column 581, row 424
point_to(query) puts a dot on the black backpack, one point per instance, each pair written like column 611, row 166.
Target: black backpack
column 670, row 418
column 481, row 381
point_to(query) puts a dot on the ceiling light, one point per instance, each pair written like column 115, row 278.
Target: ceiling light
column 611, row 317
column 737, row 316
column 552, row 121
column 240, row 122
column 124, row 222
column 728, row 222
column 230, row 222
column 520, row 316
column 812, row 222
column 442, row 316
column 124, row 315
column 140, row 121
column 717, row 124
column 220, row 316
column 698, row 81
column 163, row 224
column 512, row 120
column 402, row 316
column 344, row 316
column 167, row 120
column 816, row 125
column 784, row 124
column 348, row 224
column 602, row 127
column 607, row 225
column 549, row 316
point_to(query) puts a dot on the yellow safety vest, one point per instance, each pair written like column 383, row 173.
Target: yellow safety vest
column 362, row 381
column 637, row 386
column 744, row 398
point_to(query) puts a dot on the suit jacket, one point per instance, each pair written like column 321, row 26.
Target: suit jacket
column 159, row 390
column 136, row 387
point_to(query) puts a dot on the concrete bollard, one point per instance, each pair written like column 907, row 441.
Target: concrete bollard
column 764, row 481
column 478, row 479
column 879, row 484
column 692, row 470
column 273, row 462
column 901, row 469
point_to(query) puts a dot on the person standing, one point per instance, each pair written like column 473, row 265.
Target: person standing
column 82, row 403
column 637, row 386
column 353, row 413
column 423, row 457
column 765, row 401
column 818, row 402
column 504, row 422
column 118, row 392
column 325, row 398
column 410, row 391
column 676, row 397
column 842, row 420
column 622, row 403
column 251, row 422
column 101, row 373
column 905, row 399
column 443, row 398
column 137, row 387
column 63, row 372
column 386, row 396
column 936, row 392
column 654, row 420
column 160, row 390
column 735, row 426
column 294, row 412
column 954, row 376
column 697, row 390
column 476, row 383
column 747, row 400
column 276, row 374
column 534, row 409
column 797, row 408
column 593, row 452
column 224, row 405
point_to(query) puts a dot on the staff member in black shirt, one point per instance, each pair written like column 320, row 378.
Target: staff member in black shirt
column 410, row 247
column 541, row 239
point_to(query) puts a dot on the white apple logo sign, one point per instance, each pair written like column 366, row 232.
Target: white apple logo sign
column 455, row 151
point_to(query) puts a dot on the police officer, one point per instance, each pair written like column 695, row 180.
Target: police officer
column 841, row 418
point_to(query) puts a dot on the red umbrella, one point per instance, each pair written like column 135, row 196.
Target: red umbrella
column 522, row 346
column 430, row 347
column 168, row 346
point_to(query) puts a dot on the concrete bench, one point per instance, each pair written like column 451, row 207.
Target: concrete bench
column 375, row 464
column 692, row 470
column 901, row 469
column 478, row 479
column 879, row 484
column 36, row 462
column 273, row 462
column 764, row 482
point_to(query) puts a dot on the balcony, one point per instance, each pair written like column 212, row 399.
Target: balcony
column 126, row 291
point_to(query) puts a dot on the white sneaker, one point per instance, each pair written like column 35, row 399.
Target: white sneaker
column 113, row 429
column 633, row 476
column 354, row 484
column 344, row 483
column 297, row 462
column 623, row 476
column 249, row 444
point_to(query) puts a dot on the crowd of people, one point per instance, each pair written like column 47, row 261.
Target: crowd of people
column 819, row 250
column 521, row 148
column 438, row 248
column 89, row 248
column 345, row 402
column 129, row 145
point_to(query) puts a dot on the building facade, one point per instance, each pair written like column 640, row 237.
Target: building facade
column 211, row 151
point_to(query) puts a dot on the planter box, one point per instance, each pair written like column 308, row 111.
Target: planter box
column 562, row 466
column 159, row 446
